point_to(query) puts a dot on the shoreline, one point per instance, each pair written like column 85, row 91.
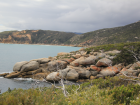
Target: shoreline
column 45, row 44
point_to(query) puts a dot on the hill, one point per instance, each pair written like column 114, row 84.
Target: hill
column 128, row 33
column 35, row 37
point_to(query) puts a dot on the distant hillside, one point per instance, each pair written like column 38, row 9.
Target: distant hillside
column 35, row 37
column 128, row 33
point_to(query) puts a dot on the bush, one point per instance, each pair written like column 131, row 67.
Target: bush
column 124, row 94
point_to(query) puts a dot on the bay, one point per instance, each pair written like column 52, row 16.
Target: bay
column 12, row 53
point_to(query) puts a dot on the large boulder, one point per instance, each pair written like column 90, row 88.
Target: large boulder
column 110, row 71
column 33, row 65
column 54, row 76
column 94, row 70
column 56, row 65
column 72, row 75
column 18, row 65
column 84, row 61
column 104, row 62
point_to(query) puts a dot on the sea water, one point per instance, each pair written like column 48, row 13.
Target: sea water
column 12, row 53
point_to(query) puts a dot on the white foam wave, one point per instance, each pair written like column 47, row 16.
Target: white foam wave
column 1, row 77
column 24, row 79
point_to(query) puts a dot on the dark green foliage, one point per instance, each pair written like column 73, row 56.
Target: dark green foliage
column 124, row 94
column 106, row 91
column 128, row 33
column 125, row 57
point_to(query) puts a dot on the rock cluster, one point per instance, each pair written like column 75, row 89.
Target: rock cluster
column 72, row 66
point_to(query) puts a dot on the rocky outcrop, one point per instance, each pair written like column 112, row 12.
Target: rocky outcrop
column 76, row 66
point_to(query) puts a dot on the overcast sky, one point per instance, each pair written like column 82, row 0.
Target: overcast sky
column 67, row 15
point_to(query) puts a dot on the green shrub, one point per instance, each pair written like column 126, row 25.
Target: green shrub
column 124, row 94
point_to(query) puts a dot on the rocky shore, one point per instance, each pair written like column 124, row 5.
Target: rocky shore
column 73, row 66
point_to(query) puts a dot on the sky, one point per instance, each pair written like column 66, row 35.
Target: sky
column 67, row 15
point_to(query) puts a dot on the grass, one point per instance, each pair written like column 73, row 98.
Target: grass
column 107, row 91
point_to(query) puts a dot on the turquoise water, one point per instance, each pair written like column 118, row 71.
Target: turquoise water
column 12, row 53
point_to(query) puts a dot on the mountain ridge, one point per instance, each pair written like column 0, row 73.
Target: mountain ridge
column 122, row 34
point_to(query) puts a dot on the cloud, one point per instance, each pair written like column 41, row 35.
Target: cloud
column 68, row 15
